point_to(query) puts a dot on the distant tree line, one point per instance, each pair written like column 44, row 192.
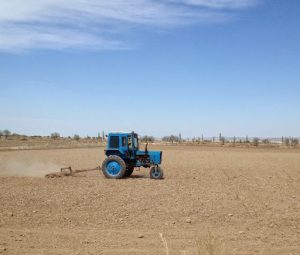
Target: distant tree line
column 75, row 137
column 287, row 141
column 255, row 141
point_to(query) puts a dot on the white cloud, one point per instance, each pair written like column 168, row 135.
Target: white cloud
column 57, row 24
column 220, row 4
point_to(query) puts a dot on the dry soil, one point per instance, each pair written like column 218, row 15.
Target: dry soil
column 212, row 201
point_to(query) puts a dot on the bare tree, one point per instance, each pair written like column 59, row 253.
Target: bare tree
column 55, row 135
column 294, row 142
column 76, row 137
column 247, row 139
column 265, row 141
column 287, row 141
column 255, row 141
column 147, row 139
column 171, row 138
column 222, row 140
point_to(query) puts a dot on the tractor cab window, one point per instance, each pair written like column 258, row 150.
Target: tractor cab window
column 114, row 142
column 136, row 142
column 129, row 142
column 133, row 144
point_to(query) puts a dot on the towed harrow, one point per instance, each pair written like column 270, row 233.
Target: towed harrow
column 68, row 171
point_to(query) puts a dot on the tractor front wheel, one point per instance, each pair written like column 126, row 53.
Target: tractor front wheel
column 114, row 167
column 156, row 173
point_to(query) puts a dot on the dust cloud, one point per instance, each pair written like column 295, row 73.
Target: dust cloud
column 25, row 168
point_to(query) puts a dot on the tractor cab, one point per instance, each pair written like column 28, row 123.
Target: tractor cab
column 124, row 145
column 123, row 151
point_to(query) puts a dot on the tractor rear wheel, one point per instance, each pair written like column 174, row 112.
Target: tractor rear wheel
column 129, row 171
column 114, row 167
column 156, row 173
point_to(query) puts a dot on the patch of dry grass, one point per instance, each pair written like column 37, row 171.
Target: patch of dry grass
column 208, row 244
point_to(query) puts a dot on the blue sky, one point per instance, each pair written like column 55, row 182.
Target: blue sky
column 156, row 67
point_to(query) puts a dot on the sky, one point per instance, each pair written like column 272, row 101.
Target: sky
column 156, row 67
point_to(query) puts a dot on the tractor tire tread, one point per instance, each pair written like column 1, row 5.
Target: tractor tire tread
column 120, row 161
column 161, row 176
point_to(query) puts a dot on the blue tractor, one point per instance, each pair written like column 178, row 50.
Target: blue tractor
column 123, row 155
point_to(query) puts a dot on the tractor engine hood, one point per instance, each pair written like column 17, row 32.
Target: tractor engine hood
column 155, row 157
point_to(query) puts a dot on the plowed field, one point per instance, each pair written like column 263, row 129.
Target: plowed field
column 212, row 201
